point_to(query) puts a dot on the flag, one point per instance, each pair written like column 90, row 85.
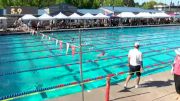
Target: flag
column 67, row 48
column 53, row 39
column 73, row 50
column 42, row 36
column 60, row 44
column 56, row 42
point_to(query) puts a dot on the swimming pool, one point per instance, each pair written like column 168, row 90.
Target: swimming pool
column 29, row 63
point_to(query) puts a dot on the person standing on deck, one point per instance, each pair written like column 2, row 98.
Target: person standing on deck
column 176, row 71
column 135, row 64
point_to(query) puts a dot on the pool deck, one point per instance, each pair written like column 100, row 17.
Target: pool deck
column 157, row 87
column 11, row 31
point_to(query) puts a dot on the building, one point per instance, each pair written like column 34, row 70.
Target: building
column 92, row 11
column 66, row 9
column 135, row 10
column 168, row 9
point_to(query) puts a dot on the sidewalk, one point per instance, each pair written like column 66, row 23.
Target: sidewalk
column 158, row 87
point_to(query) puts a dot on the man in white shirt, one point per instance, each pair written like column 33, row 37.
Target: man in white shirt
column 135, row 64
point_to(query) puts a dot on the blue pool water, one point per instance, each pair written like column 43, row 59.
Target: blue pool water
column 29, row 63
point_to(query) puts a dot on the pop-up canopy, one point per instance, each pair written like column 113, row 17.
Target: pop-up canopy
column 28, row 17
column 45, row 17
column 60, row 16
column 127, row 15
column 75, row 16
column 101, row 16
column 144, row 15
column 88, row 16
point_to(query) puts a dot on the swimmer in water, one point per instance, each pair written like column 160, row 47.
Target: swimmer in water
column 98, row 56
column 72, row 39
column 101, row 54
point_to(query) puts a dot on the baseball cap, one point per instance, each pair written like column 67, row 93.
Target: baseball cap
column 136, row 44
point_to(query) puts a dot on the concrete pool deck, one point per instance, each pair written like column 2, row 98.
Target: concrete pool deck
column 11, row 31
column 157, row 87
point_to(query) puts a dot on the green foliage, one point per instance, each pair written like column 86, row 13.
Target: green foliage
column 60, row 1
column 137, row 5
column 149, row 5
column 129, row 3
column 96, row 3
column 107, row 2
column 118, row 3
column 88, row 3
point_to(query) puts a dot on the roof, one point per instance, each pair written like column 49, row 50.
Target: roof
column 41, row 11
column 127, row 9
column 152, row 10
column 92, row 11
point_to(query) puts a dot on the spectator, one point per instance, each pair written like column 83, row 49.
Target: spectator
column 176, row 72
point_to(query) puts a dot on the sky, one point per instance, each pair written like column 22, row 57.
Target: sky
column 163, row 1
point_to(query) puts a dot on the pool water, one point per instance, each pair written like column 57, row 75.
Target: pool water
column 31, row 62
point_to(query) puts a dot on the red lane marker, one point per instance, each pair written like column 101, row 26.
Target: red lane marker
column 121, row 73
column 68, row 64
column 73, row 83
column 163, row 62
column 61, row 85
column 148, row 66
column 100, row 77
column 87, row 80
column 110, row 75
column 155, row 64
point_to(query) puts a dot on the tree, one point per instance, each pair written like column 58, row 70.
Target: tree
column 60, row 1
column 96, row 4
column 137, row 5
column 149, row 5
column 118, row 3
column 129, row 3
column 107, row 2
column 88, row 3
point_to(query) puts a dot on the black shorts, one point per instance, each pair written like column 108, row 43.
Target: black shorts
column 177, row 83
column 133, row 69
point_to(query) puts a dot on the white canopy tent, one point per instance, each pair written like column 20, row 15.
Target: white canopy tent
column 75, row 16
column 28, row 17
column 45, row 17
column 127, row 15
column 3, row 24
column 101, row 16
column 3, row 18
column 60, row 16
column 161, row 15
column 144, row 15
column 88, row 16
